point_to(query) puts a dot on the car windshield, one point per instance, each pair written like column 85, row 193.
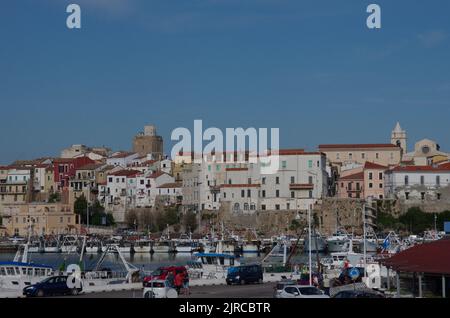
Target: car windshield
column 233, row 270
column 310, row 291
column 157, row 285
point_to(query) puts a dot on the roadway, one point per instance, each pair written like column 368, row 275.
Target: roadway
column 222, row 291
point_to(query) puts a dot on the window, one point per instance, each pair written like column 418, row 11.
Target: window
column 406, row 180
column 277, row 193
column 288, row 206
column 283, row 164
column 292, row 194
column 209, row 167
column 277, row 180
column 310, row 194
column 422, row 194
column 310, row 164
column 61, row 219
column 310, row 180
column 381, row 186
column 363, row 155
column 245, row 206
column 264, row 180
column 350, row 186
column 242, row 193
column 380, row 176
column 370, row 176
column 229, row 181
column 350, row 156
column 224, row 195
column 277, row 207
column 370, row 185
column 338, row 156
column 263, row 193
column 422, row 180
column 217, row 167
column 438, row 196
column 358, row 186
column 249, row 193
column 249, row 180
column 263, row 207
column 407, row 195
column 377, row 155
column 292, row 180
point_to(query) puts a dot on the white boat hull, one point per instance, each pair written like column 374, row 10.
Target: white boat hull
column 92, row 250
column 184, row 249
column 161, row 249
column 52, row 250
column 142, row 249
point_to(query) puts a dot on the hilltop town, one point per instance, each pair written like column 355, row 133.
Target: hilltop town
column 97, row 188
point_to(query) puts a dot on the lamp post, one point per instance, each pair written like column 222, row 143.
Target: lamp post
column 309, row 247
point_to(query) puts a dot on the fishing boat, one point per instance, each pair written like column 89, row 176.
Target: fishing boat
column 371, row 241
column 69, row 244
column 93, row 247
column 51, row 246
column 250, row 247
column 211, row 265
column 185, row 247
column 338, row 242
column 20, row 273
column 318, row 243
column 142, row 246
column 163, row 246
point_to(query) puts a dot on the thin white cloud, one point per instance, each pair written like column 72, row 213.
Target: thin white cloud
column 433, row 38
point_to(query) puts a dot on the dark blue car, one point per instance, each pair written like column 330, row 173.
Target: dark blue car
column 50, row 287
column 245, row 274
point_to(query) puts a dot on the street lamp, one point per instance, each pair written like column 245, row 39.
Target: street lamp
column 309, row 245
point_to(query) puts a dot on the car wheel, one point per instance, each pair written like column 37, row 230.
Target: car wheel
column 149, row 295
column 74, row 292
column 40, row 293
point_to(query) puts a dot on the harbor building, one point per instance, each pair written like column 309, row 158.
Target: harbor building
column 41, row 218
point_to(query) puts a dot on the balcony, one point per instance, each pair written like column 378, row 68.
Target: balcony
column 301, row 186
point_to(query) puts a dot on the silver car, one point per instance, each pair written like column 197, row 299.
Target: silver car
column 302, row 292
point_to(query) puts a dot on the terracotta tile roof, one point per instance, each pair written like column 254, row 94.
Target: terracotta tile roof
column 371, row 165
column 356, row 146
column 90, row 166
column 156, row 174
column 171, row 185
column 355, row 176
column 125, row 173
column 430, row 258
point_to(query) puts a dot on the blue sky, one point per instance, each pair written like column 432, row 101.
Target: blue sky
column 311, row 68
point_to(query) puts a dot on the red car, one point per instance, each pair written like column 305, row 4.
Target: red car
column 162, row 273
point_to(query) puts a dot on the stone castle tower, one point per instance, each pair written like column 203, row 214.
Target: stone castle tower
column 149, row 143
column 398, row 137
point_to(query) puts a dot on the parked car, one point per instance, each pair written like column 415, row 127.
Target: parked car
column 299, row 291
column 159, row 289
column 51, row 286
column 245, row 274
column 162, row 272
column 358, row 294
column 281, row 285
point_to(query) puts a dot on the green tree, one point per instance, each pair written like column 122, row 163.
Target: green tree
column 171, row 216
column 416, row 221
column 190, row 221
column 80, row 208
column 54, row 197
